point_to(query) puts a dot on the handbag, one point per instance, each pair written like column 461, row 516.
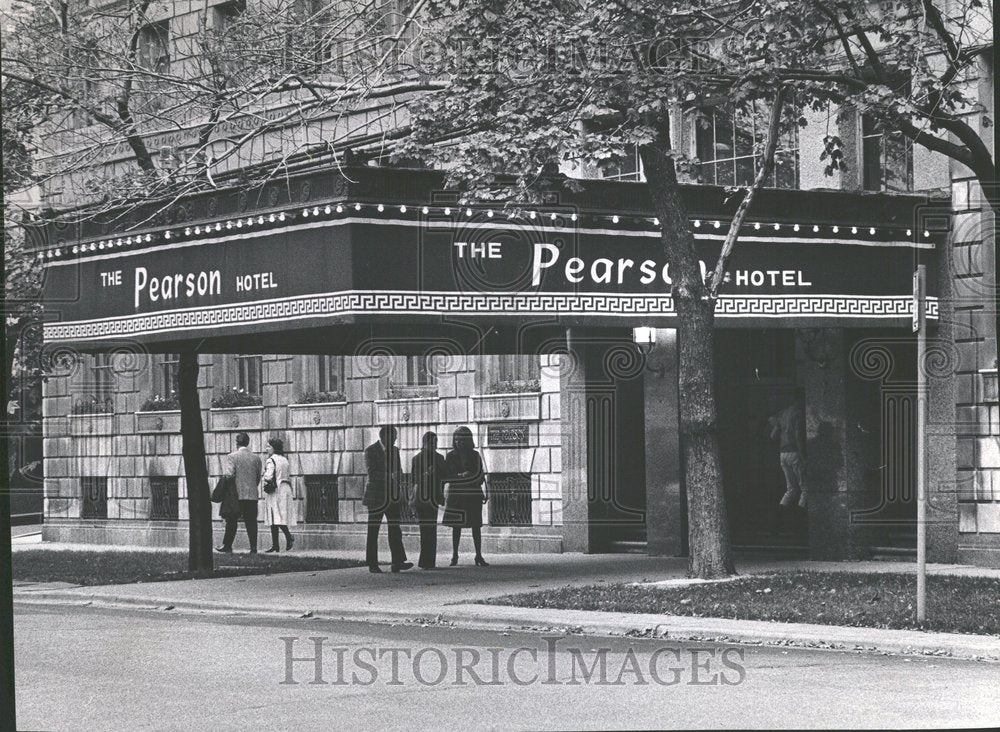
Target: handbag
column 271, row 484
column 220, row 490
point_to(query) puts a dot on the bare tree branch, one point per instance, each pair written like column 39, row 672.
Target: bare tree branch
column 767, row 164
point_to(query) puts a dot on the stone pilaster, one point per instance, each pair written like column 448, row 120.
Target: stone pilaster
column 576, row 488
column 834, row 459
column 665, row 508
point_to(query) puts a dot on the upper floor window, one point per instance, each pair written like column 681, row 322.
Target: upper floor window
column 226, row 14
column 96, row 395
column 330, row 374
column 629, row 167
column 507, row 373
column 88, row 83
column 249, row 374
column 729, row 143
column 518, row 368
column 102, row 371
column 166, row 377
column 311, row 34
column 419, row 371
column 154, row 47
column 886, row 158
column 414, row 376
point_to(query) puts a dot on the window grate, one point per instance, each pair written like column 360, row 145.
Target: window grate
column 95, row 497
column 322, row 499
column 408, row 513
column 163, row 499
column 510, row 499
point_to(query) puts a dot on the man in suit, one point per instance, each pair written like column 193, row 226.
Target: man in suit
column 382, row 498
column 244, row 469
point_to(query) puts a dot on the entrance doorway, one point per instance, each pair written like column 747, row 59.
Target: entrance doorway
column 887, row 406
column 616, row 456
column 755, row 379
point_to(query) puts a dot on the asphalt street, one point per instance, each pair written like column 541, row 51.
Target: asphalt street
column 84, row 668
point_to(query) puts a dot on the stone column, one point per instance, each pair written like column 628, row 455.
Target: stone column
column 576, row 487
column 666, row 523
column 834, row 459
column 943, row 429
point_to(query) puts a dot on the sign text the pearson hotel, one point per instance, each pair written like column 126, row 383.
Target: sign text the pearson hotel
column 184, row 285
column 548, row 263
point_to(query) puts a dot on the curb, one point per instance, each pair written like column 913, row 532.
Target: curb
column 75, row 599
column 744, row 632
column 579, row 622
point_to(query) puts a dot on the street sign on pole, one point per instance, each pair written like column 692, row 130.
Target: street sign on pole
column 920, row 328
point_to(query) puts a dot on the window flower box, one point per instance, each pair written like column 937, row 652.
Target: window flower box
column 92, row 424
column 421, row 410
column 168, row 421
column 157, row 403
column 317, row 414
column 396, row 391
column 514, row 386
column 229, row 419
column 517, row 407
column 233, row 398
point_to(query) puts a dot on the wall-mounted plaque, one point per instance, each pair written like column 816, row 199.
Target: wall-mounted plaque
column 507, row 434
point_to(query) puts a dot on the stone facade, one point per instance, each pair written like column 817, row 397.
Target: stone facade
column 123, row 451
column 129, row 448
column 974, row 326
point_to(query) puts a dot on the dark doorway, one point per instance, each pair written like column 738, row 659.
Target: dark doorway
column 755, row 379
column 617, row 454
column 885, row 400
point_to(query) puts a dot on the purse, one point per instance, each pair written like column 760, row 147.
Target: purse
column 271, row 484
column 220, row 490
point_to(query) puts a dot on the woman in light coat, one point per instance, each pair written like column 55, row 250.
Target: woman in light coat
column 279, row 507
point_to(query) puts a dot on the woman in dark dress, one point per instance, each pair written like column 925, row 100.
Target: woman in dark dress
column 466, row 494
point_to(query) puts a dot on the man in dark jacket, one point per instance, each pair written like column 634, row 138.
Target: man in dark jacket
column 427, row 471
column 382, row 498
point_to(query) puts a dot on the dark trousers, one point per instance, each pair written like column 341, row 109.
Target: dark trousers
column 427, row 518
column 391, row 512
column 248, row 510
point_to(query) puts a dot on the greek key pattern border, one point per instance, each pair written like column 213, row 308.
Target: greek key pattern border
column 483, row 304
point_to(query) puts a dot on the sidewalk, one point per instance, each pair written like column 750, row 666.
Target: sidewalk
column 447, row 596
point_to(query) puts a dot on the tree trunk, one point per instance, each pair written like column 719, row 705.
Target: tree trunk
column 708, row 528
column 195, row 466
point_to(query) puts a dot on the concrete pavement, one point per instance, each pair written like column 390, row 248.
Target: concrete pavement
column 26, row 534
column 99, row 669
column 448, row 596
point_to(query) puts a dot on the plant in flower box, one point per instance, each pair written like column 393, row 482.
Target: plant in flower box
column 234, row 398
column 514, row 386
column 92, row 405
column 321, row 397
column 159, row 403
column 410, row 391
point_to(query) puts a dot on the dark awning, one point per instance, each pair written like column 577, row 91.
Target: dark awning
column 318, row 252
